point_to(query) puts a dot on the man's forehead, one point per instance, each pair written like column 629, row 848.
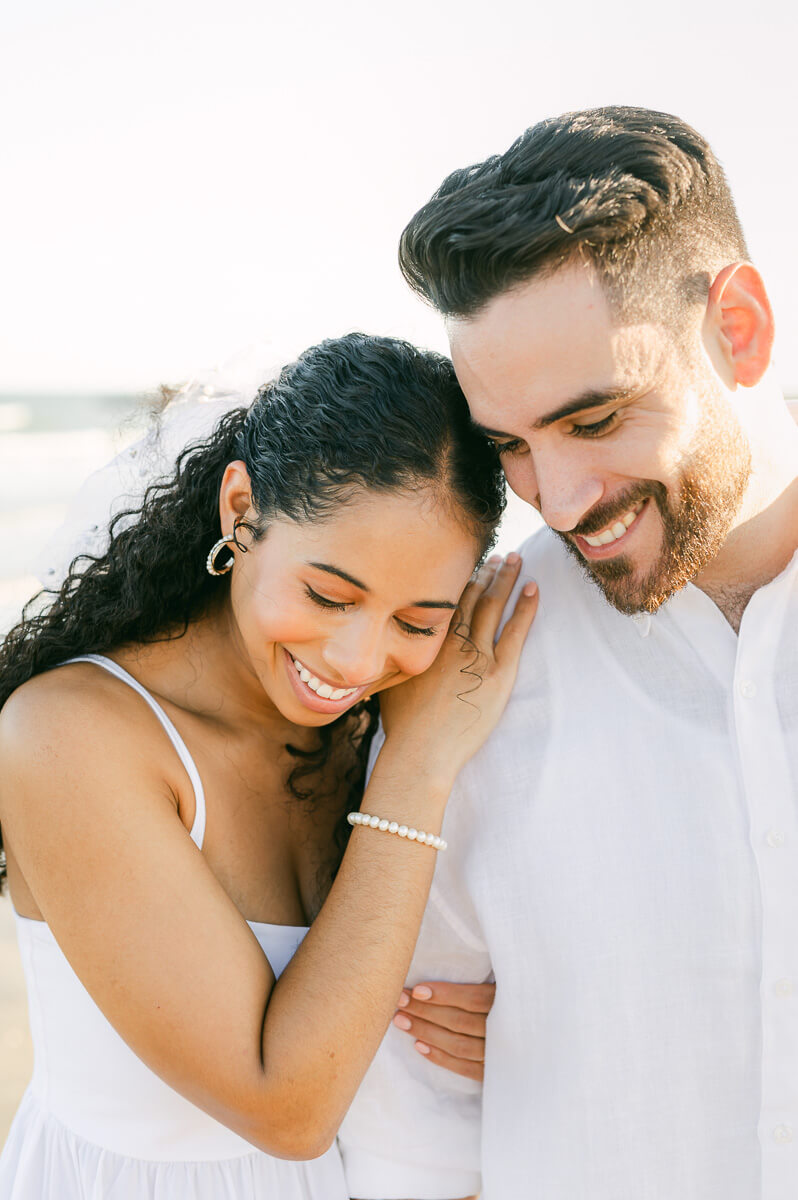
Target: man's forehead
column 544, row 344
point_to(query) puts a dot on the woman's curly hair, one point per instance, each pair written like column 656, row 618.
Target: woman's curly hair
column 352, row 413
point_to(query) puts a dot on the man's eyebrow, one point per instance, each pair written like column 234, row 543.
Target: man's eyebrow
column 590, row 399
column 331, row 570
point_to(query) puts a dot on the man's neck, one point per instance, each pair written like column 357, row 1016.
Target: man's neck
column 762, row 545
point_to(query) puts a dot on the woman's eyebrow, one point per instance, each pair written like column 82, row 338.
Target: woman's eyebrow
column 433, row 604
column 331, row 570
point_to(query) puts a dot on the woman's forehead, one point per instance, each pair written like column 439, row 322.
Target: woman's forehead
column 408, row 538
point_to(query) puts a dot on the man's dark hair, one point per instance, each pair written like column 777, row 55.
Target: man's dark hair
column 637, row 193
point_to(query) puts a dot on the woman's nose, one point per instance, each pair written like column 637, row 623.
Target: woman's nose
column 357, row 654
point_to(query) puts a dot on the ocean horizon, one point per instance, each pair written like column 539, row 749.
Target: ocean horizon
column 49, row 443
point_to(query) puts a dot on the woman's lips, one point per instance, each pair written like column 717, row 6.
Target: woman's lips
column 311, row 699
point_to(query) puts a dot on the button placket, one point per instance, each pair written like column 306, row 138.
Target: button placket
column 769, row 791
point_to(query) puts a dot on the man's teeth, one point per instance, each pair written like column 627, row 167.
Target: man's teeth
column 613, row 532
column 321, row 689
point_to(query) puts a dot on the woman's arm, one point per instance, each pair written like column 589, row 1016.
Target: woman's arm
column 163, row 950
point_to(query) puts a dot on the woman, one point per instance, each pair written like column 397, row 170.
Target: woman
column 183, row 733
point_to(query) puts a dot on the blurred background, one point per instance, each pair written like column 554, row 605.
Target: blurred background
column 184, row 181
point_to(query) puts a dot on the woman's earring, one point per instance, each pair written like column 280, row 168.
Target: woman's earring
column 210, row 561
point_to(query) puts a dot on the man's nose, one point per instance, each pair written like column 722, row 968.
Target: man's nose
column 561, row 489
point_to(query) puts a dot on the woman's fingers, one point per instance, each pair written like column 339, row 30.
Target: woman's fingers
column 509, row 645
column 456, row 1045
column 490, row 605
column 456, row 1020
column 447, row 1022
column 475, row 589
column 453, row 1020
column 459, row 1066
column 471, row 997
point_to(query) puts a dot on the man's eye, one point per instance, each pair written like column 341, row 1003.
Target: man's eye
column 512, row 447
column 596, row 428
column 323, row 601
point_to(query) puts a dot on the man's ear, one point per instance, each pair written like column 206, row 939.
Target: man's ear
column 739, row 312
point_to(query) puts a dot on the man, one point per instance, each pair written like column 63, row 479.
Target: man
column 624, row 851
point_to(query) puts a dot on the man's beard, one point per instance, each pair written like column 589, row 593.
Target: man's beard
column 696, row 518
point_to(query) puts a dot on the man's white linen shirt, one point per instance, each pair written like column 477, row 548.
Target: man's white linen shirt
column 623, row 856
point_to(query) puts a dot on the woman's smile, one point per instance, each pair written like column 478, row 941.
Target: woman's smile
column 315, row 692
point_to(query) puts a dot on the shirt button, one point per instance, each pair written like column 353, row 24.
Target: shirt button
column 783, row 987
column 748, row 689
column 783, row 1134
column 775, row 839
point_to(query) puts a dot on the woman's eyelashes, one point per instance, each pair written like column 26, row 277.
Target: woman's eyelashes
column 325, row 602
column 413, row 629
column 343, row 605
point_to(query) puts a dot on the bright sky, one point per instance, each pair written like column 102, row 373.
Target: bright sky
column 182, row 178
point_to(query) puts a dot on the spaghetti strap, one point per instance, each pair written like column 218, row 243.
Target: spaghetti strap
column 197, row 831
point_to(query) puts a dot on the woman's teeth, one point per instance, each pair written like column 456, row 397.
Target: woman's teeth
column 613, row 532
column 321, row 689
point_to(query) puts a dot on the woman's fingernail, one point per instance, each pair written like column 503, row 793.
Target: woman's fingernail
column 494, row 560
column 401, row 1021
column 422, row 992
column 404, row 1000
column 512, row 558
column 422, row 1047
column 530, row 589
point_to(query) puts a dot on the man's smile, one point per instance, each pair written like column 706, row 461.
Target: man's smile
column 607, row 542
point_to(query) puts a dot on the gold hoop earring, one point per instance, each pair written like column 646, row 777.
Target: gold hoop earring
column 210, row 561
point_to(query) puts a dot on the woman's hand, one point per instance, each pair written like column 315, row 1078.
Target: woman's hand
column 438, row 720
column 448, row 1021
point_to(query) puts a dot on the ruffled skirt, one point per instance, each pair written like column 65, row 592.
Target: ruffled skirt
column 43, row 1160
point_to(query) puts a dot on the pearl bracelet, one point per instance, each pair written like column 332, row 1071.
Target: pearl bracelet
column 412, row 835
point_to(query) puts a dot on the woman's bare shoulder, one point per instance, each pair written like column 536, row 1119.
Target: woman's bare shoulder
column 58, row 699
column 67, row 712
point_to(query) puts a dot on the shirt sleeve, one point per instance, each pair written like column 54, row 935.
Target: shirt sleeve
column 413, row 1130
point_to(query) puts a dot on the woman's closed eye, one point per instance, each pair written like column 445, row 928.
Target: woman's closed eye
column 423, row 630
column 325, row 601
column 343, row 605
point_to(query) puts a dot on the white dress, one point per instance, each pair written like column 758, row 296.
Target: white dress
column 97, row 1124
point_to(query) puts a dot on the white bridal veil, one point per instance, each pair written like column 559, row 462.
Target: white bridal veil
column 189, row 416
